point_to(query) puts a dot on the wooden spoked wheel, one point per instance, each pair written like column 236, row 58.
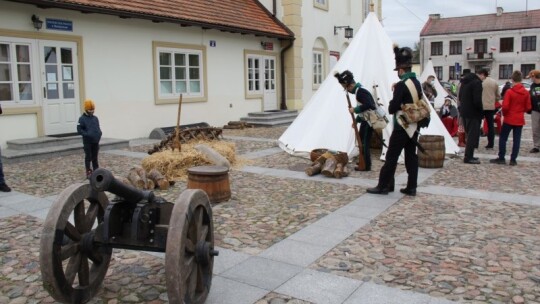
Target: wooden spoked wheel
column 189, row 256
column 72, row 266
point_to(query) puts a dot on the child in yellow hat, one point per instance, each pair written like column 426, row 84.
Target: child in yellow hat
column 88, row 127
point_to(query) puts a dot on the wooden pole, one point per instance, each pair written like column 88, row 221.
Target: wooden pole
column 361, row 163
column 176, row 142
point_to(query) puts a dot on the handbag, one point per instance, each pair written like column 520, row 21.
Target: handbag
column 416, row 112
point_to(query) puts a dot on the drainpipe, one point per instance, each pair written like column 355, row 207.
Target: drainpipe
column 283, row 105
column 274, row 7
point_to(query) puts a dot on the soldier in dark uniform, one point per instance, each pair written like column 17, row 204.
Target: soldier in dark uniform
column 365, row 102
column 400, row 139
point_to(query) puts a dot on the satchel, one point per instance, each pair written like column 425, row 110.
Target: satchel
column 416, row 112
column 376, row 121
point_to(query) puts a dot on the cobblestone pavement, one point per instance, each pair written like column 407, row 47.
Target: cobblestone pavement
column 450, row 247
column 459, row 248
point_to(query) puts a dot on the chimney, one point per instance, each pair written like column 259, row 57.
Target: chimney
column 434, row 16
column 499, row 11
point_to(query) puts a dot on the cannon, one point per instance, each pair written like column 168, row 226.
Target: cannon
column 83, row 227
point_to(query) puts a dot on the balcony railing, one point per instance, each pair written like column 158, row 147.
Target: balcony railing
column 480, row 56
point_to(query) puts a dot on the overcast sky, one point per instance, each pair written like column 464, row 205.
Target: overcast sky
column 403, row 19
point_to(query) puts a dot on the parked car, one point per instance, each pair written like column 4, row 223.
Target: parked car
column 526, row 84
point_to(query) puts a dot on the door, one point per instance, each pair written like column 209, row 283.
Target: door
column 59, row 71
column 269, row 95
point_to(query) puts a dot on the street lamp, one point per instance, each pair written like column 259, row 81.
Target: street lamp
column 38, row 23
column 348, row 31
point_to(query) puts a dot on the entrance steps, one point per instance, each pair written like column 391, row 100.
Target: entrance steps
column 271, row 118
column 27, row 149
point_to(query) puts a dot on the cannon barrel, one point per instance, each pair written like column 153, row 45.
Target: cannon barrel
column 103, row 180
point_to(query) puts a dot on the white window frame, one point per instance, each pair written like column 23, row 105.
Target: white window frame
column 13, row 62
column 162, row 97
column 322, row 4
column 317, row 68
column 251, row 71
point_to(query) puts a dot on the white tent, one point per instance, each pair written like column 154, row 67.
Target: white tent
column 436, row 125
column 325, row 121
column 441, row 92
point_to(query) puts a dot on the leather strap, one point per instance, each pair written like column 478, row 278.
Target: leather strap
column 412, row 89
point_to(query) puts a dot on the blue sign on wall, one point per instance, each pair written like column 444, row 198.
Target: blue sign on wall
column 58, row 24
column 458, row 67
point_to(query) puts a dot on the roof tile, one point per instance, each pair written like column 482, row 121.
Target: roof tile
column 237, row 15
column 482, row 23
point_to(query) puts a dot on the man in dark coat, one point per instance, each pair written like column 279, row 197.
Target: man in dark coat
column 400, row 139
column 471, row 111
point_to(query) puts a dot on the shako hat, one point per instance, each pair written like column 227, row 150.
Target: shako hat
column 345, row 77
column 403, row 57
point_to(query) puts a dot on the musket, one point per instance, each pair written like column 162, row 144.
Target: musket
column 361, row 163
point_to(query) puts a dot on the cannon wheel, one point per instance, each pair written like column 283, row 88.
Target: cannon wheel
column 73, row 269
column 189, row 256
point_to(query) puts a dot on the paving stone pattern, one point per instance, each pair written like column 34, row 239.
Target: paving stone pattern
column 432, row 248
column 459, row 248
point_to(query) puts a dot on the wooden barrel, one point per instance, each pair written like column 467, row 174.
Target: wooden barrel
column 214, row 180
column 434, row 146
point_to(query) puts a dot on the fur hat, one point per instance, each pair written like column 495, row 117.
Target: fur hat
column 534, row 74
column 345, row 77
column 403, row 57
column 89, row 105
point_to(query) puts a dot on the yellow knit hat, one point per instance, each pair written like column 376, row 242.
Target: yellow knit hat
column 89, row 105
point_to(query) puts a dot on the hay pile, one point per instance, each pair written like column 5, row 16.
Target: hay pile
column 174, row 165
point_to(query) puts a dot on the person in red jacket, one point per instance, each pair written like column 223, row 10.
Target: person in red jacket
column 516, row 103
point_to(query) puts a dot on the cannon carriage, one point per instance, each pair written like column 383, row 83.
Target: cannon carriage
column 83, row 227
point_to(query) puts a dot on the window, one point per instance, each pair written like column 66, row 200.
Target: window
column 179, row 71
column 505, row 71
column 438, row 72
column 270, row 74
column 528, row 44
column 317, row 68
column 253, row 74
column 15, row 72
column 322, row 4
column 455, row 47
column 436, row 48
column 480, row 46
column 507, row 45
column 526, row 68
column 452, row 72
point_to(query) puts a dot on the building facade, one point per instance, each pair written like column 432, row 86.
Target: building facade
column 502, row 42
column 135, row 58
column 319, row 27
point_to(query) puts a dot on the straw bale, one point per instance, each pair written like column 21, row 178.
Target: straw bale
column 174, row 164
